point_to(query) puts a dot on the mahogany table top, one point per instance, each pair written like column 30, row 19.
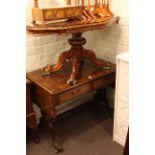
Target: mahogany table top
column 73, row 26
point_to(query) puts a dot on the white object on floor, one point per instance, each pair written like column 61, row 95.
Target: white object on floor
column 37, row 112
column 121, row 116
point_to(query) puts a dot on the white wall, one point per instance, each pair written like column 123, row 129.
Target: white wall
column 44, row 49
column 113, row 40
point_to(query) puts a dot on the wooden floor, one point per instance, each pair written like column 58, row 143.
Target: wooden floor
column 87, row 131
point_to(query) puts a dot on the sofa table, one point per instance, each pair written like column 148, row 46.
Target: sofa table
column 52, row 91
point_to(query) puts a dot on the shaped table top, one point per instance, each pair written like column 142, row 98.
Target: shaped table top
column 73, row 26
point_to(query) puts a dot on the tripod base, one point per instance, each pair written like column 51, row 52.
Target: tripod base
column 76, row 54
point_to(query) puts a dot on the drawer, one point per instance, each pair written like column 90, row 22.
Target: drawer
column 123, row 111
column 73, row 93
column 121, row 130
column 123, row 81
column 109, row 79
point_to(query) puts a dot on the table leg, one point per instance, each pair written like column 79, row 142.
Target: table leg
column 61, row 60
column 90, row 55
column 35, row 133
column 55, row 142
column 76, row 54
column 76, row 71
column 102, row 95
column 49, row 115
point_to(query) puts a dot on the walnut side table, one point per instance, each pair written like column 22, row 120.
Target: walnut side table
column 52, row 91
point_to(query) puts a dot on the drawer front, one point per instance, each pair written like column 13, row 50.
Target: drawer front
column 121, row 130
column 60, row 13
column 123, row 111
column 73, row 93
column 123, row 81
column 109, row 79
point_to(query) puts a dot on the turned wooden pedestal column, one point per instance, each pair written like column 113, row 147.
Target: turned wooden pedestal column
column 76, row 55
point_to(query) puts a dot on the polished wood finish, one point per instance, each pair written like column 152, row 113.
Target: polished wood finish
column 42, row 15
column 73, row 26
column 102, row 9
column 68, row 2
column 30, row 115
column 77, row 53
column 90, row 20
column 51, row 91
column 36, row 4
column 79, row 11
